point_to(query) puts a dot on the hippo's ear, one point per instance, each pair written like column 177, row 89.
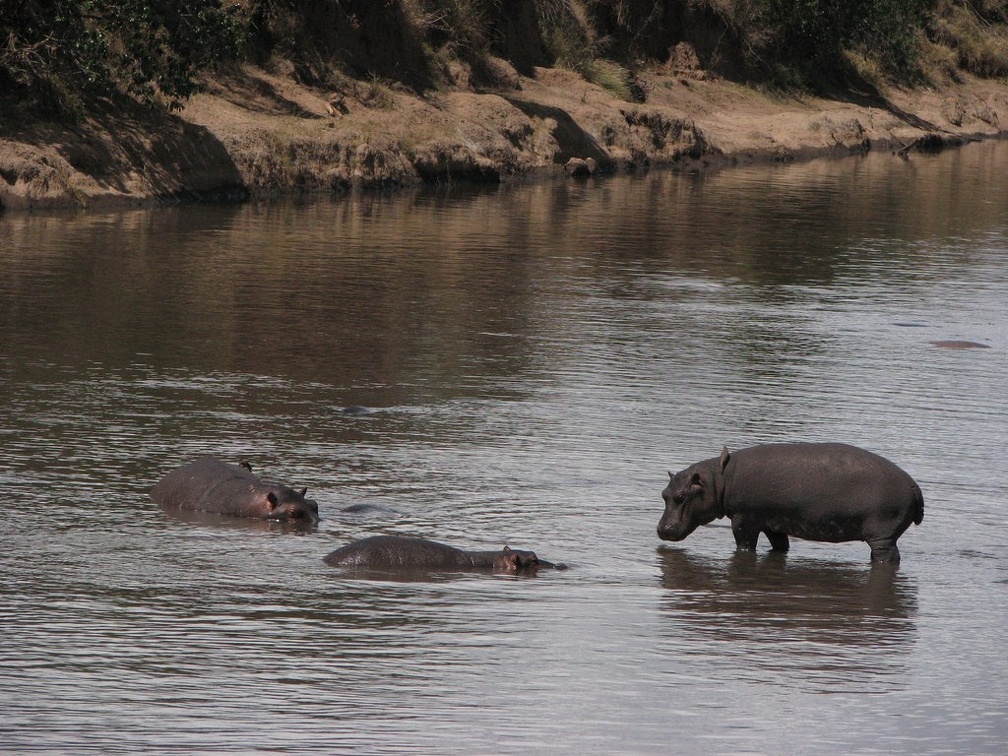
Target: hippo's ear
column 725, row 456
column 671, row 476
column 271, row 499
column 303, row 492
column 506, row 549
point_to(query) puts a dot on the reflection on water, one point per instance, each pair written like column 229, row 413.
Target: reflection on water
column 824, row 626
column 435, row 287
column 536, row 358
column 215, row 520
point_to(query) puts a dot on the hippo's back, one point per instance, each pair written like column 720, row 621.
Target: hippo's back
column 398, row 553
column 831, row 477
column 188, row 487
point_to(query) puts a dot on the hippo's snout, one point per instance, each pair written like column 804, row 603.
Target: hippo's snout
column 306, row 513
column 672, row 528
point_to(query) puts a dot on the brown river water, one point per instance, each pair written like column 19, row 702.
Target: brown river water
column 535, row 359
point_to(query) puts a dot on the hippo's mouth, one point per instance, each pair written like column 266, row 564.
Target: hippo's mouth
column 672, row 534
column 295, row 517
column 673, row 528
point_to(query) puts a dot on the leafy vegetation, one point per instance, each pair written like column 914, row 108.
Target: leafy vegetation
column 57, row 52
column 809, row 42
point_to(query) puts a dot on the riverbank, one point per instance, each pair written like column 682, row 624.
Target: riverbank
column 254, row 132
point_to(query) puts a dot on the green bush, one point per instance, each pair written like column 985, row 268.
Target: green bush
column 380, row 39
column 810, row 37
column 58, row 50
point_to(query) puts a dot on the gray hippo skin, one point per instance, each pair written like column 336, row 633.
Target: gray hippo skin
column 821, row 492
column 209, row 485
column 400, row 553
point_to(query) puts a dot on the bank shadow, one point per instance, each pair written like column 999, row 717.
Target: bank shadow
column 820, row 625
column 124, row 147
column 573, row 140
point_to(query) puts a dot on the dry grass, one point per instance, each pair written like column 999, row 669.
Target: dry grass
column 978, row 39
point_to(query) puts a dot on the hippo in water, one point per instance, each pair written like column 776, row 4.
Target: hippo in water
column 209, row 485
column 956, row 344
column 820, row 492
column 401, row 554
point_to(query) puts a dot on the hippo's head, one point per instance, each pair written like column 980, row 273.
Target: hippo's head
column 692, row 499
column 287, row 505
column 513, row 560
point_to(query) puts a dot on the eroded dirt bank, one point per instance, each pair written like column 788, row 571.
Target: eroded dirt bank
column 258, row 132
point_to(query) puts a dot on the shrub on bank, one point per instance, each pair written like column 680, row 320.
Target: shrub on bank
column 976, row 32
column 56, row 51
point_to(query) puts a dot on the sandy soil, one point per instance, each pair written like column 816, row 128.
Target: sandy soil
column 258, row 132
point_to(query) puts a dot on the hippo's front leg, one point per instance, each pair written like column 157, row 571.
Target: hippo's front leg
column 746, row 533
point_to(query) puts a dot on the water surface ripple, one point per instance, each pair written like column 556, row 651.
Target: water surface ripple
column 535, row 358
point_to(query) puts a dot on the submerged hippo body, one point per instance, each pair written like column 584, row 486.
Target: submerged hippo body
column 820, row 492
column 209, row 485
column 400, row 553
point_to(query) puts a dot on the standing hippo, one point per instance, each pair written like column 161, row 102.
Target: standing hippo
column 822, row 492
column 209, row 485
column 400, row 553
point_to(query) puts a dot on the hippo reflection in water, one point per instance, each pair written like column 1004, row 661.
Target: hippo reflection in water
column 209, row 485
column 834, row 625
column 404, row 554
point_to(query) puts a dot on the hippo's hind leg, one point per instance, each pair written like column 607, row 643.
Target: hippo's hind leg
column 884, row 551
column 778, row 541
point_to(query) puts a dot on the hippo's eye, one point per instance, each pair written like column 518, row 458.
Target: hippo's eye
column 680, row 497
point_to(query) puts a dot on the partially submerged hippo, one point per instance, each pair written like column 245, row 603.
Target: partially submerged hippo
column 400, row 553
column 821, row 492
column 209, row 485
column 957, row 344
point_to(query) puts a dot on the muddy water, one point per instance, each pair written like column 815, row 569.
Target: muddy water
column 535, row 359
